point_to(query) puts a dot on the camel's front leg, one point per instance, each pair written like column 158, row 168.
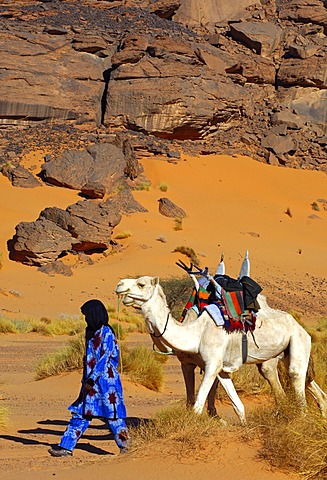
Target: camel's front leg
column 229, row 388
column 209, row 377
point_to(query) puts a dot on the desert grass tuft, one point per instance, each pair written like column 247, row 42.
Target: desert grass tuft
column 122, row 235
column 163, row 187
column 247, row 380
column 7, row 326
column 179, row 428
column 291, row 441
column 44, row 326
column 189, row 252
column 64, row 360
column 143, row 366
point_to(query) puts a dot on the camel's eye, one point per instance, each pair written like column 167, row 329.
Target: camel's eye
column 141, row 284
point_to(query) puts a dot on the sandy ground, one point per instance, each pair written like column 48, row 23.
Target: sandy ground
column 233, row 204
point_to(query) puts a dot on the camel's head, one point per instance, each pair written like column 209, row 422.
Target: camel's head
column 136, row 291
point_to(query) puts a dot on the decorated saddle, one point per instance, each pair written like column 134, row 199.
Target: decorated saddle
column 236, row 306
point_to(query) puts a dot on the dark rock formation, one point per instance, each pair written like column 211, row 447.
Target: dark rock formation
column 170, row 209
column 102, row 166
column 85, row 226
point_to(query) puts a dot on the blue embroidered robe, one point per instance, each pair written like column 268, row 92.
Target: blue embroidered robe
column 101, row 365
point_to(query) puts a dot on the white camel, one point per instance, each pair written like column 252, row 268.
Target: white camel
column 190, row 361
column 277, row 336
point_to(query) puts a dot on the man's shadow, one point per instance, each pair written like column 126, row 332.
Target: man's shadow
column 88, row 447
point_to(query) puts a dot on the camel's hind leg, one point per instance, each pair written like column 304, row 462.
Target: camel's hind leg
column 228, row 385
column 299, row 357
column 268, row 370
column 319, row 395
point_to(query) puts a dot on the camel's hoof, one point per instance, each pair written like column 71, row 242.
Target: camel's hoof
column 212, row 412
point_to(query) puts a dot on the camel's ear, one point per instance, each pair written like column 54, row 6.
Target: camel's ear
column 154, row 281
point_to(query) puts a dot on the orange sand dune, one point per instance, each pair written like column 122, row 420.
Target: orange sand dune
column 233, row 204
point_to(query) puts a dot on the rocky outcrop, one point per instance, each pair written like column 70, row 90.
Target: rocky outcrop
column 175, row 70
column 85, row 226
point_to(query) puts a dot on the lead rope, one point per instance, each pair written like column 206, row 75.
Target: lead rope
column 118, row 337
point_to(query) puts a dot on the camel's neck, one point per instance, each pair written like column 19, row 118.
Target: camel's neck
column 172, row 333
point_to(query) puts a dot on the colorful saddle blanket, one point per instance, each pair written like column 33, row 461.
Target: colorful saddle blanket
column 230, row 308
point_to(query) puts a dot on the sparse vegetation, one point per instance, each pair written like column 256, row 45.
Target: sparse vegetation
column 143, row 366
column 143, row 186
column 180, row 429
column 282, row 427
column 122, row 235
column 44, row 326
column 66, row 359
column 178, row 223
column 189, row 252
column 163, row 187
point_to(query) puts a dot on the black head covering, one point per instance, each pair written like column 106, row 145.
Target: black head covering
column 96, row 316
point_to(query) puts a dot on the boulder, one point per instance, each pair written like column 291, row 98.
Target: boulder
column 170, row 209
column 287, row 119
column 279, row 144
column 20, row 177
column 303, row 11
column 103, row 164
column 207, row 13
column 39, row 242
column 309, row 72
column 263, row 37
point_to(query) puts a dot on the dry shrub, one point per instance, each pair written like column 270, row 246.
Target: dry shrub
column 143, row 366
column 177, row 291
column 189, row 252
column 179, row 428
column 291, row 441
column 248, row 380
column 44, row 326
column 64, row 360
column 7, row 326
column 134, row 320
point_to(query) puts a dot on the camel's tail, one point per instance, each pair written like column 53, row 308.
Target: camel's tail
column 310, row 371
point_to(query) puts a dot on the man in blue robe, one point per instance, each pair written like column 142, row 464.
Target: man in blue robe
column 101, row 394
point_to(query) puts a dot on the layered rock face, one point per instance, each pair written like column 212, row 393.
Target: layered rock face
column 175, row 70
column 95, row 83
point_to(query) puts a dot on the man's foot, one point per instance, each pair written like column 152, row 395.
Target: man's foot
column 60, row 452
column 123, row 450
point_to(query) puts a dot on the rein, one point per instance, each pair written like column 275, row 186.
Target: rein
column 161, row 334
